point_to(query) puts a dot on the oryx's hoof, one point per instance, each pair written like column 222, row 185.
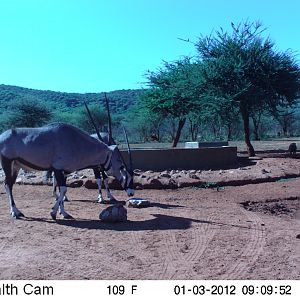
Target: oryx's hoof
column 16, row 214
column 53, row 216
column 68, row 217
column 100, row 199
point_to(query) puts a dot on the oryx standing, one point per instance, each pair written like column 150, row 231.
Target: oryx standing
column 99, row 173
column 61, row 148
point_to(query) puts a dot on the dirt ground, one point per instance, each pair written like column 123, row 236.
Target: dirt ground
column 233, row 232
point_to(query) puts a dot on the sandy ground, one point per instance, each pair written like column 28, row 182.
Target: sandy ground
column 234, row 232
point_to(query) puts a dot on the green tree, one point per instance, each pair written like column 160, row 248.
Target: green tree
column 28, row 112
column 144, row 123
column 244, row 68
column 99, row 116
column 286, row 118
column 173, row 91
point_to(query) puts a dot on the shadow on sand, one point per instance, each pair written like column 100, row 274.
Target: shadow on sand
column 159, row 222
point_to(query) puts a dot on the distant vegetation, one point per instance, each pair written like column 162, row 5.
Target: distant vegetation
column 49, row 106
column 120, row 100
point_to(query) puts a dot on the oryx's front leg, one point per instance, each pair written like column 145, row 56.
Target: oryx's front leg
column 11, row 172
column 109, row 194
column 98, row 173
column 59, row 204
column 99, row 183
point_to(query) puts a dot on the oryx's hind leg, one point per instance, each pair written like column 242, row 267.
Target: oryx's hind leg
column 11, row 170
column 55, row 188
column 59, row 204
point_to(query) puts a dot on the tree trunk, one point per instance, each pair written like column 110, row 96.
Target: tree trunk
column 229, row 132
column 285, row 128
column 255, row 129
column 178, row 132
column 193, row 131
column 250, row 149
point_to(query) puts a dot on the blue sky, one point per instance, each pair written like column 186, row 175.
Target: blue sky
column 104, row 45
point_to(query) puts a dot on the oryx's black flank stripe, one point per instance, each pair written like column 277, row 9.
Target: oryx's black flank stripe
column 28, row 164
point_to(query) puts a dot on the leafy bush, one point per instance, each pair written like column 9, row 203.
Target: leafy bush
column 28, row 113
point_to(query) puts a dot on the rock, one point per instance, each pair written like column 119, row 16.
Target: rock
column 298, row 236
column 30, row 176
column 137, row 172
column 176, row 176
column 155, row 183
column 138, row 202
column 165, row 175
column 112, row 183
column 149, row 172
column 91, row 184
column 75, row 183
column 194, row 176
column 113, row 214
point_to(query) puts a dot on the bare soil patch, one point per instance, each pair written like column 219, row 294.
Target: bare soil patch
column 219, row 232
column 287, row 207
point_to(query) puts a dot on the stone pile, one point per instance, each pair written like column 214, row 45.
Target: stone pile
column 265, row 170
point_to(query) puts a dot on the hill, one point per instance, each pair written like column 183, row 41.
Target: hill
column 120, row 100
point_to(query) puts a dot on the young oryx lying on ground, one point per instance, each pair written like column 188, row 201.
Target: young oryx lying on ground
column 63, row 149
column 99, row 173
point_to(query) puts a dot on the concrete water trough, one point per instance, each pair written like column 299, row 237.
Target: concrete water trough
column 205, row 144
column 183, row 158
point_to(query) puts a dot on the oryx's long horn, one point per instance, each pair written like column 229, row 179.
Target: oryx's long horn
column 109, row 120
column 92, row 120
column 129, row 150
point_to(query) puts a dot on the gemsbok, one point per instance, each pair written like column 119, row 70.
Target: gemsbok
column 61, row 148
